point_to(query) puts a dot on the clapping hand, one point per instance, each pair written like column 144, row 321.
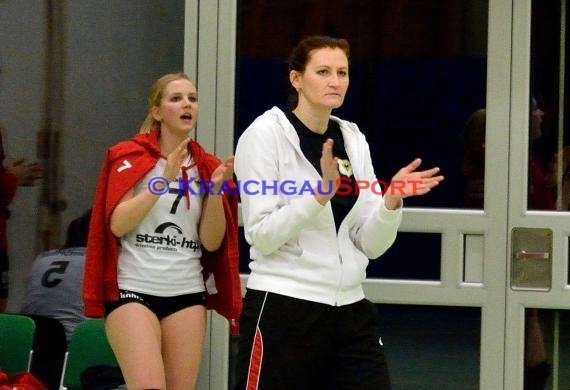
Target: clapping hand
column 26, row 173
column 409, row 182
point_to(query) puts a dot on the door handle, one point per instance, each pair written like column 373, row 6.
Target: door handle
column 531, row 259
column 526, row 255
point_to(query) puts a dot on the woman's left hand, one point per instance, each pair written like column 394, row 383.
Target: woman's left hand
column 223, row 172
column 409, row 182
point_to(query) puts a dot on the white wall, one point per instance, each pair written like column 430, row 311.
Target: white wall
column 114, row 51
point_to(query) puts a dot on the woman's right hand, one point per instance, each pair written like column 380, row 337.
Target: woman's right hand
column 329, row 169
column 26, row 173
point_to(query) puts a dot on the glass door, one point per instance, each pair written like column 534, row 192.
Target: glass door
column 441, row 288
column 538, row 294
column 419, row 70
column 448, row 81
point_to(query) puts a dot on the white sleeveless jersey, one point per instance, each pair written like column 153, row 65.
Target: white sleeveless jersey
column 161, row 256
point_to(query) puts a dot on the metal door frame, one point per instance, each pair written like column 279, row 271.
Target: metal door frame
column 209, row 59
column 559, row 295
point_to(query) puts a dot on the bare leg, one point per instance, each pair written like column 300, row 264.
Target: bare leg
column 182, row 343
column 135, row 336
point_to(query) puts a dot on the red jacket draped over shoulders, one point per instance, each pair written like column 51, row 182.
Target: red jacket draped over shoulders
column 125, row 164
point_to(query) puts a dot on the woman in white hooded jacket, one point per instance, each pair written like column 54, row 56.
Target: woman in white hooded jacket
column 314, row 214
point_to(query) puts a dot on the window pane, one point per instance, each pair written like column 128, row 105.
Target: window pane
column 439, row 354
column 403, row 260
column 549, row 161
column 547, row 349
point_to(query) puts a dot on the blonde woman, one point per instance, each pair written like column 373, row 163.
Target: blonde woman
column 151, row 239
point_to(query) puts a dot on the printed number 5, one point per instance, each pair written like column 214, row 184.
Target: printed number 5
column 57, row 267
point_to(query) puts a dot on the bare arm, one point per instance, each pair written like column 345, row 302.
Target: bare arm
column 212, row 227
column 132, row 209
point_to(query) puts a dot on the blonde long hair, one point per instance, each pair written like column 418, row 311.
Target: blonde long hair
column 154, row 98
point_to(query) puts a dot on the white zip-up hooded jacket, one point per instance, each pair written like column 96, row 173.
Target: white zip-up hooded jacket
column 295, row 248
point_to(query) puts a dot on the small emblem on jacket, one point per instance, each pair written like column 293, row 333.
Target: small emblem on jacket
column 344, row 167
column 126, row 165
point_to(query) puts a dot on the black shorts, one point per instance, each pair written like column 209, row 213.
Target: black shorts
column 160, row 306
column 289, row 343
column 4, row 274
